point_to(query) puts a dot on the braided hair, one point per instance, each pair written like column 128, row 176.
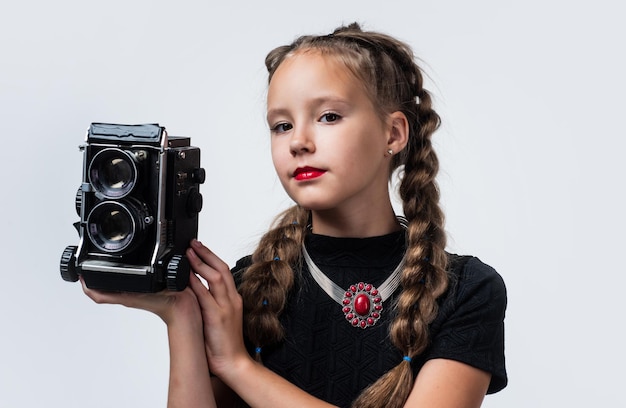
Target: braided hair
column 394, row 82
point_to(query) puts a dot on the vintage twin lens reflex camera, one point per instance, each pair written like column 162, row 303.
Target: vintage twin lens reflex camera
column 138, row 206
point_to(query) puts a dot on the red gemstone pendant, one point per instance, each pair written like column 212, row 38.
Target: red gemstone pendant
column 362, row 305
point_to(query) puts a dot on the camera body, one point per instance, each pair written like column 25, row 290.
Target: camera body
column 138, row 205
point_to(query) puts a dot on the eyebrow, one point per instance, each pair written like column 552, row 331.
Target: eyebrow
column 321, row 100
column 277, row 111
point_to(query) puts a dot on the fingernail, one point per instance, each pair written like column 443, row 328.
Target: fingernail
column 196, row 243
column 191, row 253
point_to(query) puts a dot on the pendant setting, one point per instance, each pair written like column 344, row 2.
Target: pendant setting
column 362, row 305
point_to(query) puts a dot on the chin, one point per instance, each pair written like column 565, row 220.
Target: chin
column 314, row 205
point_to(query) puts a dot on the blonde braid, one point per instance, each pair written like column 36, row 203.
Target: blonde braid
column 424, row 278
column 266, row 283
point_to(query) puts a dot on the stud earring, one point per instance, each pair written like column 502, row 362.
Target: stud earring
column 390, row 152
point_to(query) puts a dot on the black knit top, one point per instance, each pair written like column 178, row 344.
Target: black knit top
column 327, row 357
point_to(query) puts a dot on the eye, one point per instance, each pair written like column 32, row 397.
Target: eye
column 330, row 117
column 281, row 127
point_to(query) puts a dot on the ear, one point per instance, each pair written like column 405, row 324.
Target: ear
column 398, row 135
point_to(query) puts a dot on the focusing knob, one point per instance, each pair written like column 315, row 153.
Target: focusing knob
column 194, row 202
column 79, row 200
column 68, row 264
column 198, row 175
column 178, row 273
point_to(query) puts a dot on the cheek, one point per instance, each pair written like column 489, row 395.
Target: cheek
column 274, row 152
column 278, row 158
column 363, row 150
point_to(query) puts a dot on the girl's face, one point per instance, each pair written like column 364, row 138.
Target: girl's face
column 329, row 145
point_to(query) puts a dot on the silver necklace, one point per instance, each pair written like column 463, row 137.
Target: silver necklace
column 361, row 303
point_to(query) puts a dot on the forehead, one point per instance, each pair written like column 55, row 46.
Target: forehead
column 311, row 62
column 306, row 71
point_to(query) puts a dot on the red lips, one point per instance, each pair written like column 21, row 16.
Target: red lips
column 307, row 173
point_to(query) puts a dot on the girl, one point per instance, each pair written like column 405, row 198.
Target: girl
column 343, row 303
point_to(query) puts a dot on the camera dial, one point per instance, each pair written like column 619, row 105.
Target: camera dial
column 68, row 264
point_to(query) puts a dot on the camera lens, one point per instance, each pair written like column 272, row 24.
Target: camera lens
column 113, row 173
column 114, row 226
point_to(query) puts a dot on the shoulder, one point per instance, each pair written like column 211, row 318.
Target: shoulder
column 470, row 278
column 469, row 326
column 476, row 294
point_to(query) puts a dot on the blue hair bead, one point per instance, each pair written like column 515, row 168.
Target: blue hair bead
column 257, row 350
column 277, row 258
column 265, row 302
column 407, row 358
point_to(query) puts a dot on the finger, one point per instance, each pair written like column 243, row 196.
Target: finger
column 216, row 280
column 215, row 263
column 204, row 296
column 208, row 256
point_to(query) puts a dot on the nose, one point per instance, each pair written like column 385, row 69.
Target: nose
column 301, row 141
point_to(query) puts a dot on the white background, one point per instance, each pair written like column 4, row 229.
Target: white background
column 531, row 94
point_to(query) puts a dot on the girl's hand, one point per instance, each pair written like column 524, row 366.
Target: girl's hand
column 221, row 307
column 168, row 305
